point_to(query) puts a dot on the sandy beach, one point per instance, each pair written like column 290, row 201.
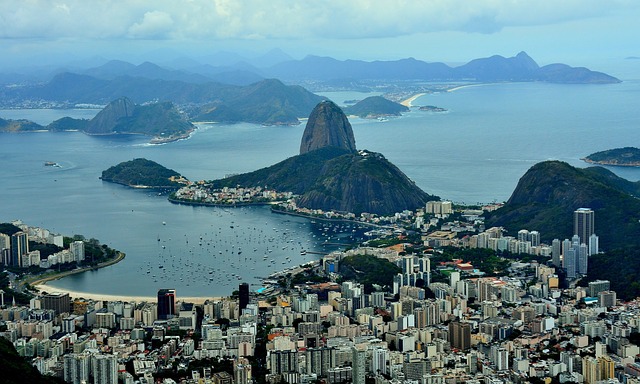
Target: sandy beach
column 467, row 86
column 409, row 102
column 105, row 297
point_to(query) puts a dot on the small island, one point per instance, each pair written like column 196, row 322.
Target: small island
column 431, row 108
column 143, row 173
column 375, row 107
column 622, row 157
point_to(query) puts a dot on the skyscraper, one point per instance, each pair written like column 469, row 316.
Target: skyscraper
column 105, row 369
column 460, row 335
column 556, row 251
column 19, row 247
column 583, row 224
column 243, row 296
column 166, row 304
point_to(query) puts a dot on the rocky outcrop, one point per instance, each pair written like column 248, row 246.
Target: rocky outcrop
column 109, row 117
column 327, row 126
column 329, row 173
column 363, row 182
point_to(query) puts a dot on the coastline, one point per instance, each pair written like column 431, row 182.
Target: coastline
column 610, row 163
column 42, row 280
column 409, row 102
column 205, row 204
column 125, row 298
column 327, row 219
column 468, row 86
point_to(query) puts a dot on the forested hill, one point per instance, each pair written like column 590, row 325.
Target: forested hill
column 142, row 173
column 549, row 192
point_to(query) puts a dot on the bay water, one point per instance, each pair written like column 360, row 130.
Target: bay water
column 473, row 153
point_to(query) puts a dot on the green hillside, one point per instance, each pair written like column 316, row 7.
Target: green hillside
column 141, row 173
column 549, row 192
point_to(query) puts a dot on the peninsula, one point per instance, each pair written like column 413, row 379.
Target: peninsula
column 621, row 157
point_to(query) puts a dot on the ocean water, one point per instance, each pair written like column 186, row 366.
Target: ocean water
column 475, row 152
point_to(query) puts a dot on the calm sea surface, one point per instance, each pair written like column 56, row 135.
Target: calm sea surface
column 476, row 152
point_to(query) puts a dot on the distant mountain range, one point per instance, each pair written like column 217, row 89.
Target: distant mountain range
column 490, row 69
column 549, row 192
column 239, row 92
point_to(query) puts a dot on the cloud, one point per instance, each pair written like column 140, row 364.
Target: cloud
column 285, row 19
column 154, row 25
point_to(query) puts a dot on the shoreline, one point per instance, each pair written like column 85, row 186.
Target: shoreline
column 56, row 276
column 125, row 298
column 409, row 102
column 468, row 86
column 610, row 163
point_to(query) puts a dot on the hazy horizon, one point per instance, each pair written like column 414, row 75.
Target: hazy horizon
column 579, row 33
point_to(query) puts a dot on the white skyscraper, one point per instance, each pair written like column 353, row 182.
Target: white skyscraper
column 77, row 249
column 105, row 369
column 593, row 244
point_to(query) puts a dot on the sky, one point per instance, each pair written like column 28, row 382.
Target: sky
column 576, row 32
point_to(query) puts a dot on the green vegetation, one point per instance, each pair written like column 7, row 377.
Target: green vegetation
column 627, row 156
column 620, row 267
column 368, row 270
column 141, row 172
column 9, row 229
column 19, row 126
column 158, row 119
column 9, row 293
column 375, row 106
column 548, row 194
column 331, row 178
column 16, row 370
column 68, row 123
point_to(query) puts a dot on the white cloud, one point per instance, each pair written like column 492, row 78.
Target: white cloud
column 284, row 19
column 154, row 24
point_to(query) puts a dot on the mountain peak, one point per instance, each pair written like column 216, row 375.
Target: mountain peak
column 327, row 126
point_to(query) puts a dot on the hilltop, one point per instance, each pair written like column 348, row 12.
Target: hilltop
column 329, row 174
column 550, row 191
column 374, row 107
column 142, row 173
column 160, row 120
column 623, row 157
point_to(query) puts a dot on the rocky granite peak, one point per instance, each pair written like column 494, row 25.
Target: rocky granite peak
column 327, row 126
column 110, row 116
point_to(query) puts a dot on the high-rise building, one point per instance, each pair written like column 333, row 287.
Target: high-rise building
column 534, row 237
column 570, row 262
column 379, row 359
column 76, row 368
column 77, row 248
column 556, row 251
column 59, row 302
column 598, row 286
column 593, row 244
column 166, row 304
column 460, row 335
column 19, row 247
column 583, row 223
column 243, row 296
column 105, row 369
column 242, row 371
column 359, row 365
column 5, row 241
